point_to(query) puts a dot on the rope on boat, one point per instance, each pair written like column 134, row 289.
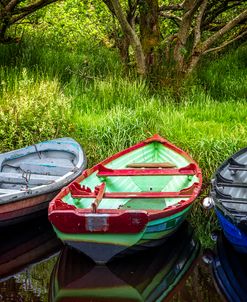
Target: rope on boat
column 26, row 175
column 38, row 152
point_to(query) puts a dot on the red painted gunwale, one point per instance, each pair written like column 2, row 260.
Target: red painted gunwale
column 77, row 192
column 58, row 209
column 104, row 172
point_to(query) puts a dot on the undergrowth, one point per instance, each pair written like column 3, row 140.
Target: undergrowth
column 86, row 94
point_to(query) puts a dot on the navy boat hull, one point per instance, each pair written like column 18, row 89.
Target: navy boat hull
column 230, row 271
column 229, row 197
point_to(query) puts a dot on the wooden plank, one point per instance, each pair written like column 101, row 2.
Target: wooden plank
column 35, row 179
column 45, row 168
column 63, row 162
column 77, row 192
column 237, row 168
column 145, row 172
column 98, row 197
column 151, row 165
column 137, row 195
column 8, row 191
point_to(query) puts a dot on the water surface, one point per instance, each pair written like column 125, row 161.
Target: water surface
column 34, row 266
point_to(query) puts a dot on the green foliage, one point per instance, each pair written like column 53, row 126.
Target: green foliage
column 226, row 79
column 64, row 23
column 32, row 109
column 32, row 284
column 85, row 93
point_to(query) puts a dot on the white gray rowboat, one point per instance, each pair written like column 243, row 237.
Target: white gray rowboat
column 30, row 177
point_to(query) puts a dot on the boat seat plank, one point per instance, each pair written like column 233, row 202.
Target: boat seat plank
column 104, row 172
column 237, row 168
column 45, row 168
column 136, row 195
column 185, row 193
column 8, row 191
column 32, row 165
column 36, row 179
column 233, row 184
column 151, row 165
column 63, row 162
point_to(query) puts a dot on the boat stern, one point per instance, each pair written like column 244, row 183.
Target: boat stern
column 99, row 235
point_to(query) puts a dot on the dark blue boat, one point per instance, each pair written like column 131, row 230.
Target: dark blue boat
column 229, row 197
column 230, row 271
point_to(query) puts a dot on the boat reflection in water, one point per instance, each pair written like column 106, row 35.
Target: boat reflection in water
column 26, row 244
column 230, row 271
column 150, row 275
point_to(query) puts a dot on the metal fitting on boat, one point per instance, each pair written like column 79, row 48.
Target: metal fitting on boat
column 208, row 203
column 214, row 235
column 208, row 256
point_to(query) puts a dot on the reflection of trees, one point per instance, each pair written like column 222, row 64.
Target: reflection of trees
column 198, row 286
column 31, row 285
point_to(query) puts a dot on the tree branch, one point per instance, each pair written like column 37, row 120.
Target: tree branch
column 198, row 23
column 231, row 24
column 132, row 36
column 226, row 43
column 174, row 7
column 171, row 16
column 29, row 10
column 11, row 5
column 223, row 7
column 33, row 7
column 109, row 5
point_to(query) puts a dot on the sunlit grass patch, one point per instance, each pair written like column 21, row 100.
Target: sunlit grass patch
column 31, row 110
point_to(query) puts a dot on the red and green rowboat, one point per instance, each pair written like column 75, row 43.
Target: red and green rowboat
column 135, row 198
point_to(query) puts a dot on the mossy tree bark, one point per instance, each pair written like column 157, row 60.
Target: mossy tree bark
column 129, row 31
column 150, row 31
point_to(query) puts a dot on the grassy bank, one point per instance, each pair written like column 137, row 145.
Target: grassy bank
column 47, row 92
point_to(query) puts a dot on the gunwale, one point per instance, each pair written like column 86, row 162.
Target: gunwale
column 30, row 199
column 233, row 208
column 152, row 214
column 59, row 145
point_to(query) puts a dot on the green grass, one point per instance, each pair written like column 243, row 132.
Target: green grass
column 47, row 92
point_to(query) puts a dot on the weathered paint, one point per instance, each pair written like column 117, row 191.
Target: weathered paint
column 32, row 176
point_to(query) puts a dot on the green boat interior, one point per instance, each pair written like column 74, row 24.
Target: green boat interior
column 151, row 177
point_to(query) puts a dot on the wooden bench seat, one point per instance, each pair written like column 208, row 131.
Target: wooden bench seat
column 35, row 179
column 106, row 172
column 78, row 192
column 151, row 165
column 8, row 191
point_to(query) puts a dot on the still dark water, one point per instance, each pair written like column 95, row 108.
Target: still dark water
column 34, row 266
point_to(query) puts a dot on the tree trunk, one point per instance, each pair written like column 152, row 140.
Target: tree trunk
column 149, row 31
column 193, row 63
column 190, row 7
column 123, row 44
column 200, row 48
column 132, row 36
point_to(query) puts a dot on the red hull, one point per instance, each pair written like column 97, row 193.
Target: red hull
column 69, row 219
column 14, row 212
